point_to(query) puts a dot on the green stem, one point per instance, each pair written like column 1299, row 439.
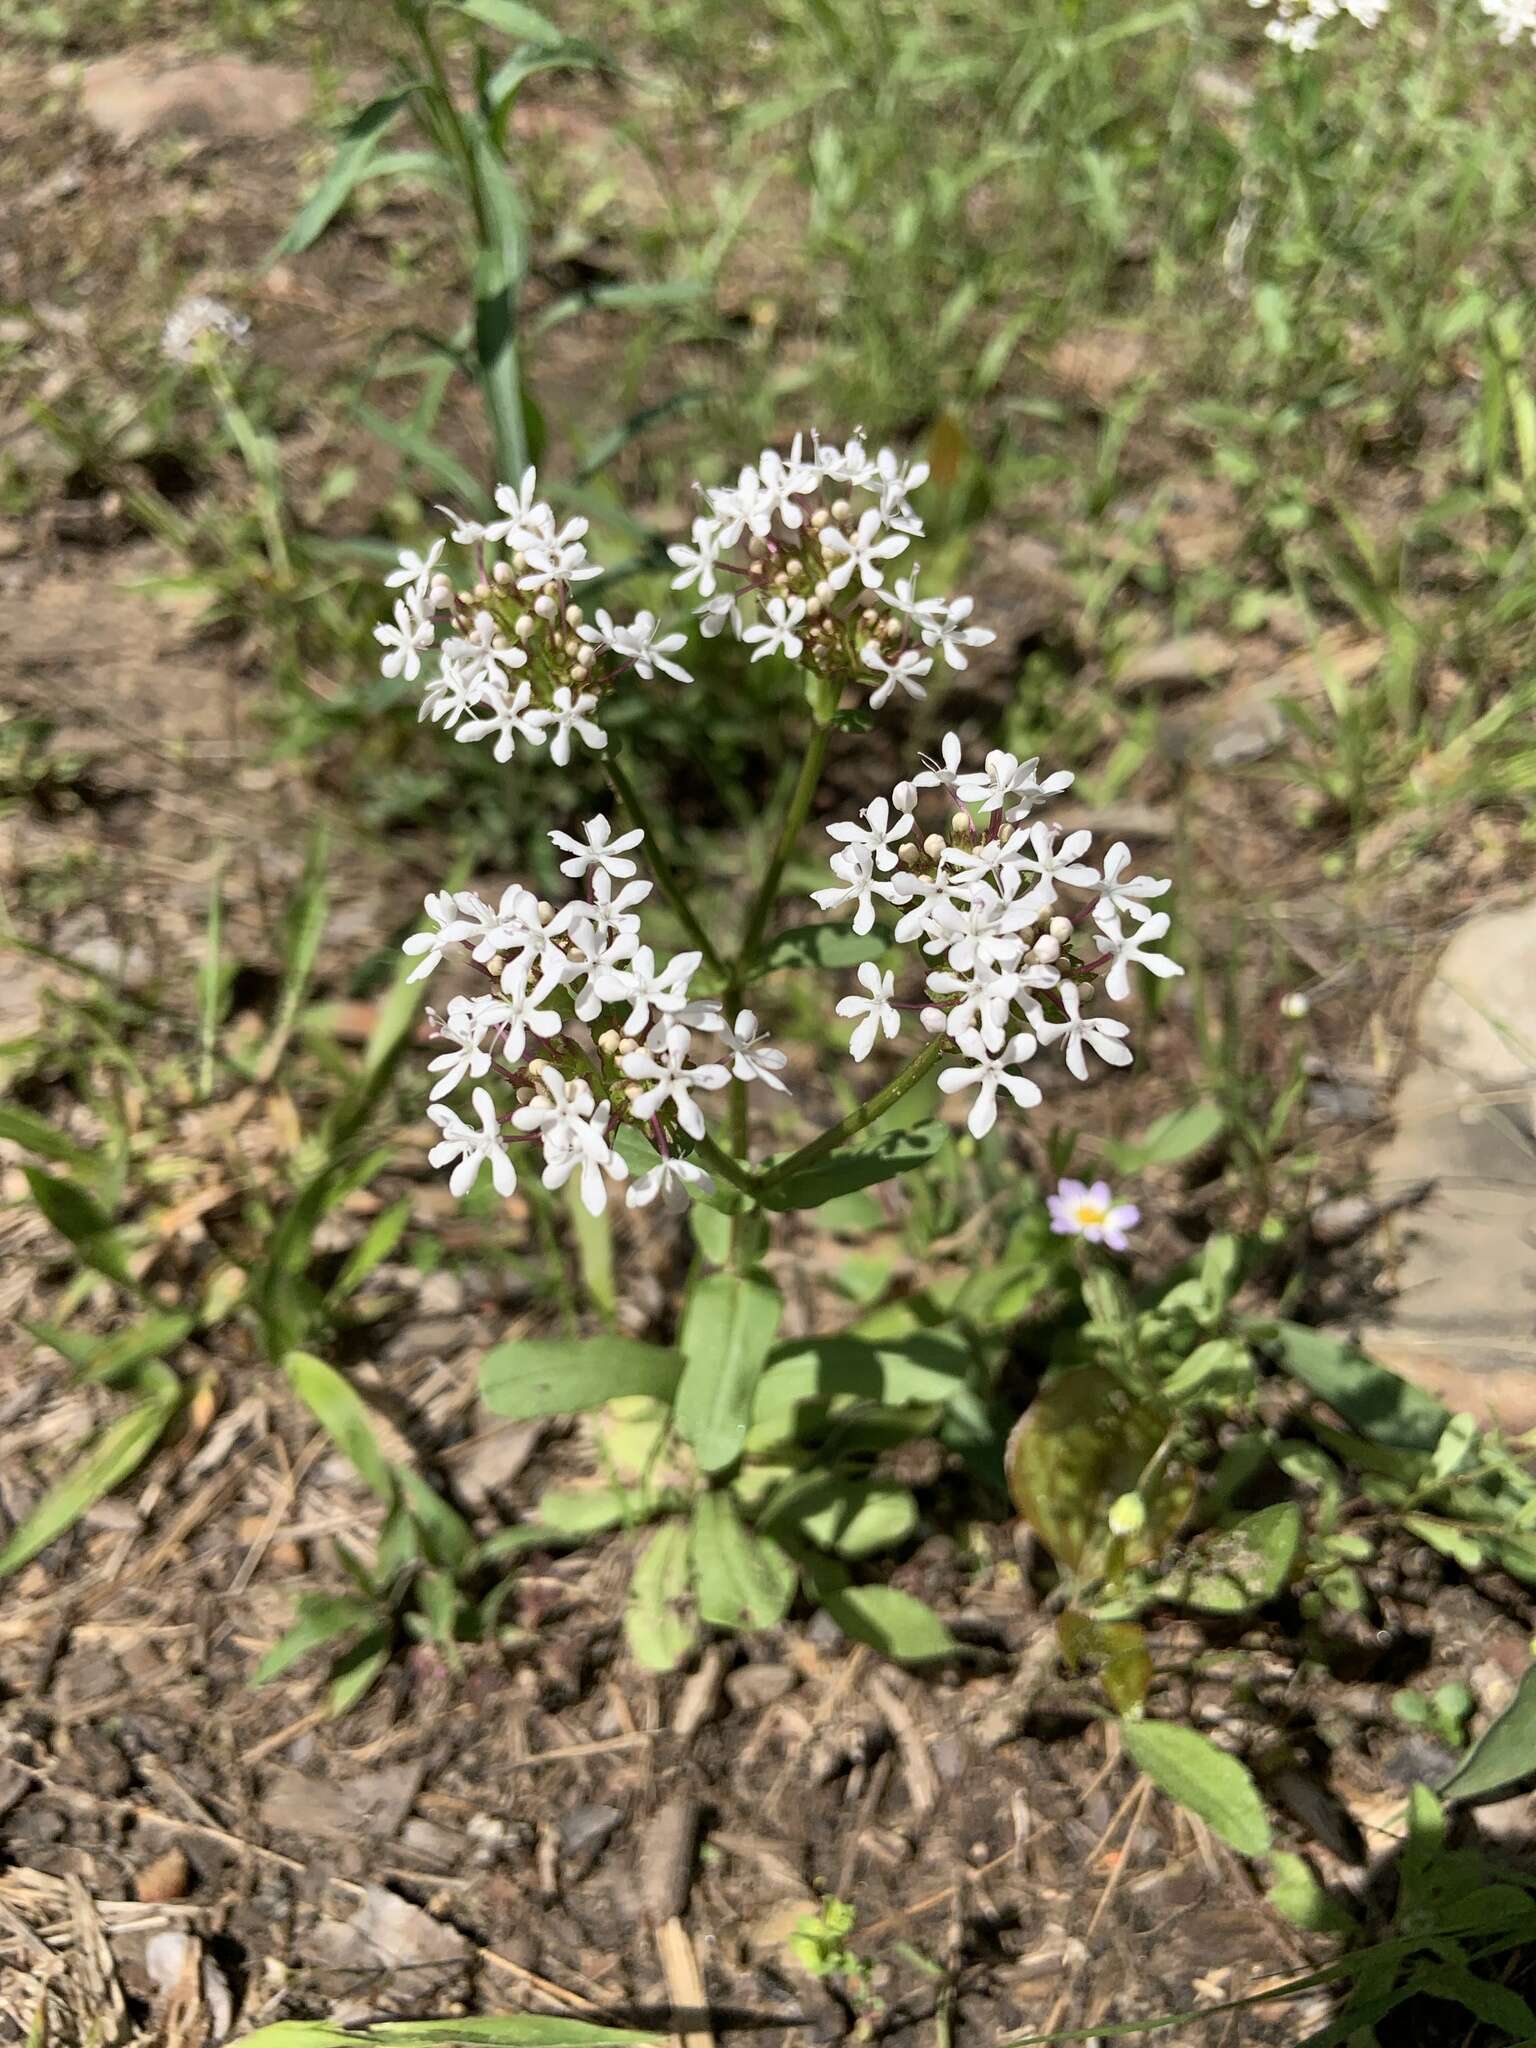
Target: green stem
column 260, row 457
column 859, row 1119
column 709, row 1154
column 657, row 861
column 768, row 888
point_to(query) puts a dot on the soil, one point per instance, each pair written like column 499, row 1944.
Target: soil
column 496, row 1838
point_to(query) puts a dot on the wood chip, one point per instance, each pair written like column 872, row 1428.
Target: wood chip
column 168, row 1877
column 666, row 1859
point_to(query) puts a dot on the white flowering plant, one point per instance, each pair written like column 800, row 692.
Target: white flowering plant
column 988, row 944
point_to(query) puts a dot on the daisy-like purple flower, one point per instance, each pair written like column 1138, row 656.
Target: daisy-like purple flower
column 1092, row 1213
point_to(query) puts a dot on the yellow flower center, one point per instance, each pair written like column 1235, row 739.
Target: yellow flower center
column 1089, row 1215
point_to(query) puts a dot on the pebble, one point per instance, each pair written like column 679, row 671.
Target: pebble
column 756, row 1686
column 168, row 1878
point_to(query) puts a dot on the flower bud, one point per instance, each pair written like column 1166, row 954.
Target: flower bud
column 525, row 626
column 545, row 606
column 869, row 619
column 496, row 965
column 627, row 1046
column 440, row 593
column 464, row 597
column 1295, row 1005
column 890, row 629
column 482, row 592
column 904, row 796
column 935, row 844
column 1127, row 1515
column 546, row 911
column 781, row 581
column 574, row 615
column 840, row 508
column 934, row 1020
column 908, row 854
column 524, row 1096
column 536, row 1067
column 1060, row 929
column 794, row 566
column 609, row 1041
column 633, row 1092
column 814, row 608
column 824, row 592
column 1047, row 951
column 502, row 573
column 757, row 547
column 818, row 519
column 519, row 559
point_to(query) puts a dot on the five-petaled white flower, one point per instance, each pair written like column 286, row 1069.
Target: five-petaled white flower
column 864, row 551
column 752, row 1057
column 1130, row 895
column 874, row 1009
column 599, row 849
column 1127, row 947
column 777, row 635
column 675, row 1180
column 902, row 673
column 510, row 717
column 406, row 636
column 1103, row 1035
column 663, row 1062
column 470, row 1149
column 991, row 1071
column 568, row 714
column 414, row 572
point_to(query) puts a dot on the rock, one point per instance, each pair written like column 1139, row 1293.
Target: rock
column 1347, row 1217
column 389, row 1930
column 1187, row 663
column 756, row 1686
column 222, row 99
column 1463, row 1318
column 168, row 1877
column 373, row 1803
column 585, row 1829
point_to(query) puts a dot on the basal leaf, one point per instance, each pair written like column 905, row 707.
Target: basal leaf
column 1504, row 1755
column 853, row 1517
column 532, row 1376
column 1190, row 1768
column 323, row 1618
column 742, row 1579
column 659, row 1623
column 1375, row 1402
column 890, row 1621
column 81, row 1218
column 1232, row 1571
column 728, row 1328
column 343, row 1414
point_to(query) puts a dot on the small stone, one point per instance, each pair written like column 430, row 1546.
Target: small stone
column 756, row 1686
column 585, row 1830
column 168, row 1878
column 145, row 92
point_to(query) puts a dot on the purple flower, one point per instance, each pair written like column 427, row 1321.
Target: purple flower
column 1093, row 1213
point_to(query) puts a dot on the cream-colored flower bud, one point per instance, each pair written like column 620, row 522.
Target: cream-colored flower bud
column 869, row 618
column 633, row 1092
column 609, row 1041
column 537, row 1067
column 545, row 606
column 574, row 615
column 525, row 626
column 497, row 965
column 840, row 508
column 519, row 559
column 502, row 574
column 961, row 825
column 819, row 518
column 781, row 580
column 546, row 910
column 908, row 854
column 440, row 591
column 482, row 592
column 814, row 608
column 524, row 1096
column 1060, row 929
column 757, row 547
column 794, row 566
column 935, row 844
column 1046, row 951
column 627, row 1046
column 464, row 597
column 824, row 592
column 890, row 629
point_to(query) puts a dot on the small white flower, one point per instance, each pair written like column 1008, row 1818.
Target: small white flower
column 902, row 673
column 405, row 637
column 569, row 714
column 876, row 838
column 1130, row 948
column 415, row 571
column 452, row 929
column 464, row 532
column 695, row 565
column 857, row 885
column 509, row 718
column 942, row 624
column 675, row 1180
column 558, row 558
column 483, row 653
column 648, row 988
column 200, row 323
column 663, row 1062
column 464, row 1027
column 454, row 690
column 1053, row 863
column 639, row 642
column 721, row 611
column 471, row 1148
column 528, row 522
column 874, row 1009
column 778, row 636
column 989, row 1073
column 752, row 1057
column 573, row 1132
column 598, row 849
column 1102, row 1035
column 518, row 1011
column 863, row 552
column 946, row 773
column 894, row 483
column 1128, row 897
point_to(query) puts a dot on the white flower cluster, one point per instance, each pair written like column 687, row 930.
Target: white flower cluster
column 551, row 970
column 198, row 323
column 1007, row 966
column 1298, row 23
column 793, row 559
column 521, row 660
column 1516, row 19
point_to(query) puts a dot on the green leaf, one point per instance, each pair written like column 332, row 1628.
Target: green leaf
column 1382, row 1407
column 570, row 55
column 500, row 267
column 341, row 1412
column 114, row 1456
column 110, row 1359
column 373, row 1248
column 890, row 1621
column 322, row 1618
column 430, row 457
column 356, row 145
column 1504, row 1755
column 620, row 298
column 356, row 1670
column 728, row 1327
column 1295, row 1893
column 576, row 1511
column 37, row 1135
column 1083, row 1443
column 1196, row 1774
column 1215, row 1375
column 854, row 1517
column 916, row 1370
column 1456, row 1543
column 826, row 947
column 659, row 1624
column 1116, row 1650
column 448, row 1539
column 1235, row 1570
column 1179, row 1135
column 857, row 1166
column 742, row 1579
column 531, row 1376
column 81, row 1218
column 512, row 18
